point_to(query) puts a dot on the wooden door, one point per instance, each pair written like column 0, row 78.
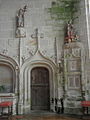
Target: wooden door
column 40, row 89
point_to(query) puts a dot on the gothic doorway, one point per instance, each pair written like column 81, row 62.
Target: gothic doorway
column 40, row 95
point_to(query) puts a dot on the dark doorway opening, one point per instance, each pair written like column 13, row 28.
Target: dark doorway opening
column 40, row 94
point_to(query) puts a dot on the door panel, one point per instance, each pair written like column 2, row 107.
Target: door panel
column 40, row 89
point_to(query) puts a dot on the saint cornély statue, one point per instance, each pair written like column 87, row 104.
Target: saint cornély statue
column 20, row 30
column 20, row 16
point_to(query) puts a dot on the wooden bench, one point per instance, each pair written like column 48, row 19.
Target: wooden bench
column 6, row 104
column 85, row 105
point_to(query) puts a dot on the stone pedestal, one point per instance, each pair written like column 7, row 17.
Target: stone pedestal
column 74, row 79
column 20, row 32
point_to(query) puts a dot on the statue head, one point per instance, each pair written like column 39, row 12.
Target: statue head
column 20, row 12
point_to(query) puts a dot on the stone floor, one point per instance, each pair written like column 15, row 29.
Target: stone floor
column 46, row 116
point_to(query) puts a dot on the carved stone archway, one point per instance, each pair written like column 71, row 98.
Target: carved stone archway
column 38, row 60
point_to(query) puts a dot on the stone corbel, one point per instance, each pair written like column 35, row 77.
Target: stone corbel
column 20, row 32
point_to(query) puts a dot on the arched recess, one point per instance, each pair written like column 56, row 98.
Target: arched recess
column 38, row 60
column 9, row 67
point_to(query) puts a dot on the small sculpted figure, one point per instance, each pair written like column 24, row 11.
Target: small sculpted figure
column 20, row 16
column 70, row 30
column 70, row 36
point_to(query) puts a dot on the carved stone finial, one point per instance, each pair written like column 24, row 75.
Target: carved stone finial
column 37, row 37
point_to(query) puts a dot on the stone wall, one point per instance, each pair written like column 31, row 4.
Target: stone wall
column 21, row 50
column 35, row 17
column 82, row 27
column 50, row 36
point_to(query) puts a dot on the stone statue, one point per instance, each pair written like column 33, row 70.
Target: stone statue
column 20, row 17
column 20, row 30
column 70, row 30
column 70, row 36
